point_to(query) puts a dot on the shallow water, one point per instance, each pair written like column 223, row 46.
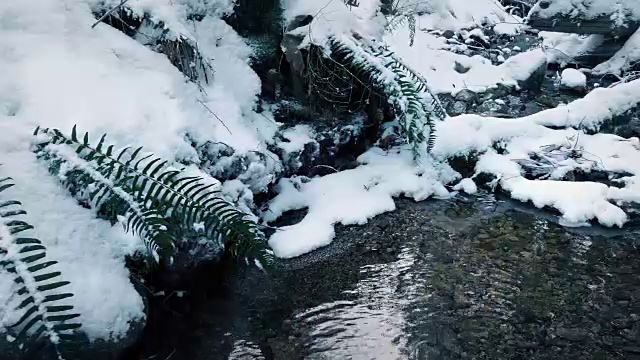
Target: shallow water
column 434, row 280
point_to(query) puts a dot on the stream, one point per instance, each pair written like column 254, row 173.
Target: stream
column 466, row 278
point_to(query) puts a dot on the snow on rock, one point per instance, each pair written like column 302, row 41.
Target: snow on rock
column 517, row 138
column 578, row 202
column 457, row 14
column 467, row 185
column 351, row 197
column 623, row 59
column 563, row 48
column 573, row 79
column 332, row 18
column 297, row 137
column 597, row 107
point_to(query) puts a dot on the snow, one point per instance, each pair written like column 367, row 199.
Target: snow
column 440, row 73
column 351, row 197
column 578, row 202
column 572, row 78
column 590, row 112
column 354, row 196
column 297, row 137
column 467, row 185
column 56, row 72
column 562, row 48
column 618, row 10
column 623, row 59
column 457, row 14
column 482, row 74
column 332, row 18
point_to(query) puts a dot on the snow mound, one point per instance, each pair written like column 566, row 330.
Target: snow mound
column 573, row 79
column 467, row 185
column 352, row 197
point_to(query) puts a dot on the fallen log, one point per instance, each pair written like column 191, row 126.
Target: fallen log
column 595, row 17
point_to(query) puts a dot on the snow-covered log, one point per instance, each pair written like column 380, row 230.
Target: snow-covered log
column 618, row 18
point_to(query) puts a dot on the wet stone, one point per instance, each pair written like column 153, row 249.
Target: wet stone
column 572, row 334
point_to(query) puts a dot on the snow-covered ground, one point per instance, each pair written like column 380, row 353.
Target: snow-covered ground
column 56, row 71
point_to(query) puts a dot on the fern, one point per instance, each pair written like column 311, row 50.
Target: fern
column 394, row 23
column 45, row 320
column 159, row 203
column 414, row 106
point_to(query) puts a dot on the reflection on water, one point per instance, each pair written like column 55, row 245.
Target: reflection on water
column 438, row 280
column 371, row 323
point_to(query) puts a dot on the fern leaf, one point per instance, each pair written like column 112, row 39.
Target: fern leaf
column 38, row 322
column 160, row 203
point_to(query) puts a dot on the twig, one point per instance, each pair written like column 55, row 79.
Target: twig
column 327, row 166
column 109, row 13
column 214, row 114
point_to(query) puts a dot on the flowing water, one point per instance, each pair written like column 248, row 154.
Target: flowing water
column 460, row 279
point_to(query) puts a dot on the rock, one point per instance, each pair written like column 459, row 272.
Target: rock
column 330, row 146
column 460, row 68
column 632, row 349
column 460, row 300
column 534, row 82
column 466, row 95
column 575, row 335
column 256, row 169
column 457, row 108
column 631, row 129
column 448, row 34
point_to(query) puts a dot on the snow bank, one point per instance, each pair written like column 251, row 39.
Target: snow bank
column 578, row 202
column 352, row 197
column 520, row 137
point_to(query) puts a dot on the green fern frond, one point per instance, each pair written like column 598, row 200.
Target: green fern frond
column 161, row 203
column 45, row 318
column 407, row 93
